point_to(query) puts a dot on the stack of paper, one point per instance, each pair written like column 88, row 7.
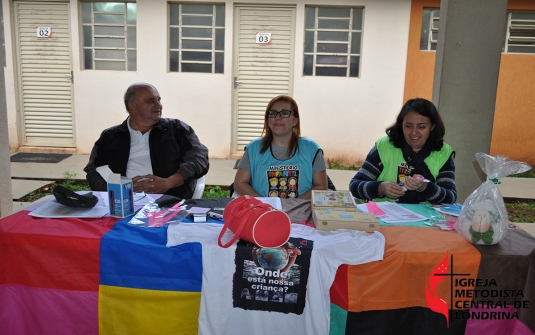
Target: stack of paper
column 53, row 209
column 449, row 209
column 393, row 213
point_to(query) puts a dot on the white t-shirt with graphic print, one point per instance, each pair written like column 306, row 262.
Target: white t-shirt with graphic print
column 330, row 249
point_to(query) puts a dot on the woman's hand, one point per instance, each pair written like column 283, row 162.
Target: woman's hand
column 416, row 183
column 391, row 190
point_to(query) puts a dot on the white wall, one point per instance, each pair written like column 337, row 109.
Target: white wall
column 12, row 116
column 201, row 100
column 344, row 115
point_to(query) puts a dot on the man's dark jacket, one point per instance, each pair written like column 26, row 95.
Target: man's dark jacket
column 174, row 147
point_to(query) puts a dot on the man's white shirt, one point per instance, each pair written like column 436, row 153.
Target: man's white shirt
column 139, row 163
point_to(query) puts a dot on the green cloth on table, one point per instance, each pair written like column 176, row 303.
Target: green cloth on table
column 422, row 209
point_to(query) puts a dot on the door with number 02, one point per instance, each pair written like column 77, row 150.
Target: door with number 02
column 44, row 73
column 263, row 66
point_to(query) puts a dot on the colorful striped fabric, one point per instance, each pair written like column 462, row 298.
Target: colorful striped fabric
column 103, row 276
column 145, row 287
column 389, row 297
column 49, row 274
column 74, row 276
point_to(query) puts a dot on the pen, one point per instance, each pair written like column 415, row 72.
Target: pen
column 215, row 216
column 422, row 179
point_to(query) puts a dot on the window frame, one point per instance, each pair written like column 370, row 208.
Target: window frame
column 130, row 65
column 431, row 44
column 216, row 55
column 510, row 41
column 517, row 40
column 349, row 54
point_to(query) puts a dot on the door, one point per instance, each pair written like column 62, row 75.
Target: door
column 44, row 73
column 261, row 70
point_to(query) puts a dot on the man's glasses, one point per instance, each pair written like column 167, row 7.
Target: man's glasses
column 283, row 113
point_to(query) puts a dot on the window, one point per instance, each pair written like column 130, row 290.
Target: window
column 332, row 41
column 196, row 38
column 109, row 36
column 429, row 35
column 520, row 33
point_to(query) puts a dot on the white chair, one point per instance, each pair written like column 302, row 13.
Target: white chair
column 199, row 188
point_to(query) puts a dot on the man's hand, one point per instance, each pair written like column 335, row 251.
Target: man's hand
column 153, row 184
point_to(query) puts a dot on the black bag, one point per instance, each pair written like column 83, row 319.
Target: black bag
column 69, row 198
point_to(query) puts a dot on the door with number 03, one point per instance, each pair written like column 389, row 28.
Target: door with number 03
column 263, row 66
column 44, row 73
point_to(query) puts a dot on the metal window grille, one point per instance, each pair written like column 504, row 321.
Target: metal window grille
column 520, row 32
column 196, row 38
column 109, row 36
column 333, row 37
column 429, row 36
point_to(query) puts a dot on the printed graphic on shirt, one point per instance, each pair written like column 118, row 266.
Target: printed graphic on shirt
column 272, row 279
column 283, row 181
column 404, row 170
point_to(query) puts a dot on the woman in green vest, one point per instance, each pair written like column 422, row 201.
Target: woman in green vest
column 412, row 164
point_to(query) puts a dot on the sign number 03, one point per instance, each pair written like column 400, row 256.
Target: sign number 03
column 44, row 32
column 263, row 38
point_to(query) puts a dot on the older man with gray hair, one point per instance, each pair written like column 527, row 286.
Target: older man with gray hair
column 160, row 155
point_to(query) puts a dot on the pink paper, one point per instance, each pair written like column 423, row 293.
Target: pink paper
column 374, row 209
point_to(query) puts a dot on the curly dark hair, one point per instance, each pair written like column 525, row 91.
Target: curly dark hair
column 268, row 136
column 425, row 108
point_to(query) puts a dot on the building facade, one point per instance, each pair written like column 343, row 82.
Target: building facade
column 515, row 101
column 349, row 65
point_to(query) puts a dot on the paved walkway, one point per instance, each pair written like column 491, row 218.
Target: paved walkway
column 25, row 178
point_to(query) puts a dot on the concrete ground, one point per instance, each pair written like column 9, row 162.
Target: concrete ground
column 27, row 177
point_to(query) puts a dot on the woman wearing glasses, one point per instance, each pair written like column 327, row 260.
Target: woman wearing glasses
column 281, row 163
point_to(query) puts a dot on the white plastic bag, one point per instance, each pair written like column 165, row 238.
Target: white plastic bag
column 483, row 219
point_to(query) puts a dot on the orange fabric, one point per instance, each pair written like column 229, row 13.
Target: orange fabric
column 411, row 254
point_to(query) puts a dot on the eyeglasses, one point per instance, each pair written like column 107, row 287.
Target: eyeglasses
column 283, row 113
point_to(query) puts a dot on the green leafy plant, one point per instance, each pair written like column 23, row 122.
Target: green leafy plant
column 527, row 174
column 334, row 165
column 521, row 211
column 211, row 192
column 69, row 182
column 73, row 184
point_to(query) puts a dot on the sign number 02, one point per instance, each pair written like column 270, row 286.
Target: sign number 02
column 44, row 32
column 263, row 38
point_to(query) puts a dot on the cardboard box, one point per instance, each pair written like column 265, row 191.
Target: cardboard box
column 336, row 219
column 120, row 192
column 334, row 200
column 121, row 195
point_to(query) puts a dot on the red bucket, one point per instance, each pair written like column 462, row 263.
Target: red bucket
column 256, row 222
